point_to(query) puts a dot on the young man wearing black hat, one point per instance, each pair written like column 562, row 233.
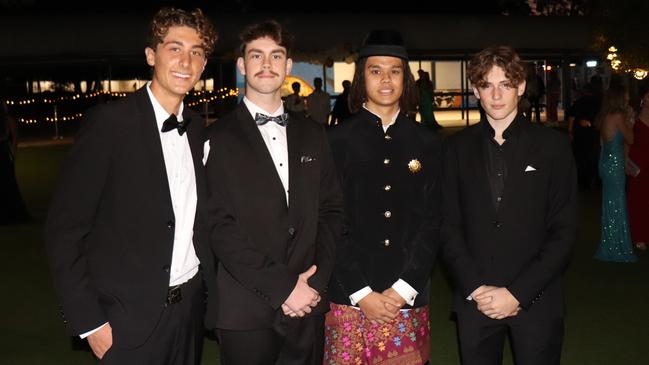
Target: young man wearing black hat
column 389, row 168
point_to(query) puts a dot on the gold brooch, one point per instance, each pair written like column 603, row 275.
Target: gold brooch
column 414, row 166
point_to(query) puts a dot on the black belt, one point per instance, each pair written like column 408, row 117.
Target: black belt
column 174, row 293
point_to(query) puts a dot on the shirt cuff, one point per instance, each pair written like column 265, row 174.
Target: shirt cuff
column 407, row 292
column 84, row 335
column 359, row 295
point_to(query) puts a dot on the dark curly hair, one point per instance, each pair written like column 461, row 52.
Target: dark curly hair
column 166, row 18
column 358, row 95
column 504, row 57
column 268, row 28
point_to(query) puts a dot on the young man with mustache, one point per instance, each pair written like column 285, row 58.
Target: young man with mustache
column 276, row 209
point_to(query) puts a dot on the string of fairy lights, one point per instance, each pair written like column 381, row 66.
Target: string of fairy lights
column 617, row 64
column 194, row 98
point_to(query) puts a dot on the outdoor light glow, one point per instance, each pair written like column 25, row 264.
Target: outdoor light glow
column 573, row 65
column 612, row 49
column 639, row 73
column 591, row 63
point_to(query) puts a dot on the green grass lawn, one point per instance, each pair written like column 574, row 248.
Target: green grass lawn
column 607, row 319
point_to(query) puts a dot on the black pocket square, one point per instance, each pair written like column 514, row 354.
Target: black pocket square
column 305, row 159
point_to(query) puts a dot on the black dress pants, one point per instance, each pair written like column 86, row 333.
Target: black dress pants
column 290, row 342
column 534, row 340
column 177, row 338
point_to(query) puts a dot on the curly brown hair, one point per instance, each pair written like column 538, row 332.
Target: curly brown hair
column 268, row 28
column 166, row 18
column 504, row 57
column 358, row 95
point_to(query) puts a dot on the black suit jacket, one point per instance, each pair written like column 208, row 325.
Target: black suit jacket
column 373, row 187
column 110, row 229
column 261, row 244
column 526, row 243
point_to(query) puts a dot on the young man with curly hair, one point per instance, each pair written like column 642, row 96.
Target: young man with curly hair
column 510, row 214
column 126, row 236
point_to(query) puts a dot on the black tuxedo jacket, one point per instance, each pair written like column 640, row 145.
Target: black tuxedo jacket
column 110, row 229
column 526, row 243
column 261, row 244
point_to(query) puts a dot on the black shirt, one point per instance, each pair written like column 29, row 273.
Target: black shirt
column 499, row 157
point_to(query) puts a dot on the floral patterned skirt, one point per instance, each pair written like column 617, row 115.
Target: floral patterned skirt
column 350, row 338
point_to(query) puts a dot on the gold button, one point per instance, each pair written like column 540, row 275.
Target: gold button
column 388, row 137
column 386, row 242
column 387, row 187
column 387, row 214
column 386, row 161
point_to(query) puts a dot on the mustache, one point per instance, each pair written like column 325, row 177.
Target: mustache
column 270, row 72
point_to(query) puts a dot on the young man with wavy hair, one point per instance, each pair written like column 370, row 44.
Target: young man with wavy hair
column 126, row 236
column 510, row 214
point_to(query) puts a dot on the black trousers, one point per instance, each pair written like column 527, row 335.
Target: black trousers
column 534, row 340
column 177, row 338
column 291, row 342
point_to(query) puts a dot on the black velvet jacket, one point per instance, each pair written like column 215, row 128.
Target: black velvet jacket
column 391, row 187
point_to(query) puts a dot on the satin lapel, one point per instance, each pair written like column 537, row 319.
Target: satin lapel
column 250, row 133
column 148, row 129
column 293, row 139
column 480, row 168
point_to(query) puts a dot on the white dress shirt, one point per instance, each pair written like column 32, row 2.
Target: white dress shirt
column 274, row 136
column 182, row 188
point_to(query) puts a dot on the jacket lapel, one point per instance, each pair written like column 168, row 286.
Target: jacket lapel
column 524, row 146
column 480, row 167
column 250, row 133
column 150, row 137
column 293, row 140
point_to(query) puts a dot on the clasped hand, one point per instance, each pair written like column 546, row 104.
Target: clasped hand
column 381, row 307
column 495, row 302
column 303, row 297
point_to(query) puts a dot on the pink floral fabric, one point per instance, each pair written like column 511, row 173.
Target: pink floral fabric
column 350, row 338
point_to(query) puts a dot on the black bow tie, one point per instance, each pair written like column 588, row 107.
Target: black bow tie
column 172, row 123
column 262, row 119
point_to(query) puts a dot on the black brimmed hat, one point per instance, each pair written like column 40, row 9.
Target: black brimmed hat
column 384, row 42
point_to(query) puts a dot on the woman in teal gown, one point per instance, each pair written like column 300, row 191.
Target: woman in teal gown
column 615, row 130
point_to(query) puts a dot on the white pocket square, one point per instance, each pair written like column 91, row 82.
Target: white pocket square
column 529, row 168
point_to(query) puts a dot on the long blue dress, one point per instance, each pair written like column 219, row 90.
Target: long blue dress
column 615, row 243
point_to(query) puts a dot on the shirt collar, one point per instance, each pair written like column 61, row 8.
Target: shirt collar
column 393, row 119
column 160, row 113
column 254, row 109
column 513, row 130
